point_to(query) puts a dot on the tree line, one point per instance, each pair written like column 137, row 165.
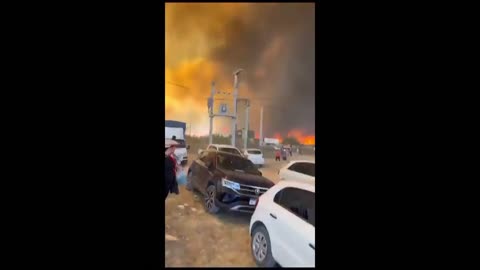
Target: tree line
column 220, row 139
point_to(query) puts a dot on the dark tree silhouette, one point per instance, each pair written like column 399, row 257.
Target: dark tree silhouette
column 290, row 140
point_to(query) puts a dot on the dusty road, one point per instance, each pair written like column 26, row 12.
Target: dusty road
column 196, row 238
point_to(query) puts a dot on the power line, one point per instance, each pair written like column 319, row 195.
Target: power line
column 228, row 93
column 179, row 85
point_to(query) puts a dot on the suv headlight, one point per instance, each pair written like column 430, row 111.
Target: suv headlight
column 230, row 184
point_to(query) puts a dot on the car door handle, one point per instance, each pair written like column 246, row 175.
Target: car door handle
column 312, row 246
column 272, row 215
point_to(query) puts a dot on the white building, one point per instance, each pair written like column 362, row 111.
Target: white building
column 271, row 141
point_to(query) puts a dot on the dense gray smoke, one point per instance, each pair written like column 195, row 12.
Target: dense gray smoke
column 275, row 45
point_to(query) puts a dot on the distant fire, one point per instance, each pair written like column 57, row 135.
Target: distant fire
column 301, row 137
column 308, row 140
column 297, row 134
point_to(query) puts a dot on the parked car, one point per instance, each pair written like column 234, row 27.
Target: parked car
column 282, row 228
column 298, row 170
column 227, row 181
column 175, row 130
column 224, row 148
column 255, row 156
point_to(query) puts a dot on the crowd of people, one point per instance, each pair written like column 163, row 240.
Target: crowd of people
column 283, row 152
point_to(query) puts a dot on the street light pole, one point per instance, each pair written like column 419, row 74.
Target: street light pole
column 234, row 115
column 261, row 127
column 245, row 140
column 210, row 110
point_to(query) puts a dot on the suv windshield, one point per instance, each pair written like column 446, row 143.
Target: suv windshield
column 236, row 163
column 229, row 150
column 254, row 152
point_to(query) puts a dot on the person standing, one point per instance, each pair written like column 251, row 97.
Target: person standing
column 277, row 154
column 171, row 168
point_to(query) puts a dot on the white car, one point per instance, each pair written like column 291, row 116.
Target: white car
column 282, row 227
column 224, row 148
column 298, row 170
column 255, row 156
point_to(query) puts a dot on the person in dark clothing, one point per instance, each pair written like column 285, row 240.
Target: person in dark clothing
column 171, row 185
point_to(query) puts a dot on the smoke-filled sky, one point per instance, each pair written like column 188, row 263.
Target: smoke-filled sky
column 273, row 43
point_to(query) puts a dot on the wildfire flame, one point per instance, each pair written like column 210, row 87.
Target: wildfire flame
column 297, row 134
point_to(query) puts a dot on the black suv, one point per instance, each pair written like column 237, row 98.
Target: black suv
column 227, row 181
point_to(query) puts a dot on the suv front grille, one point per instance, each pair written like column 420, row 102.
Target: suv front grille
column 251, row 190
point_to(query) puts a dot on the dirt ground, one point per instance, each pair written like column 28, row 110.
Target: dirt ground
column 194, row 238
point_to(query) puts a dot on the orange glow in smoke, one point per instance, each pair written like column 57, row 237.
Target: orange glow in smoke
column 194, row 33
column 278, row 136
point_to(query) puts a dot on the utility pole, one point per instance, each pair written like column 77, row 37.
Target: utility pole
column 234, row 115
column 245, row 140
column 261, row 127
column 210, row 111
column 190, row 130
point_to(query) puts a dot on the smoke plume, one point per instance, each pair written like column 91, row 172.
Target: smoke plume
column 273, row 42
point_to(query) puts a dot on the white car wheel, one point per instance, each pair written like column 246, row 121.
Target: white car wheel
column 261, row 248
